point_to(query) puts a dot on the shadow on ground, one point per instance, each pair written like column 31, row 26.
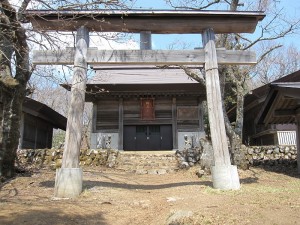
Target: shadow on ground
column 88, row 184
column 289, row 170
column 53, row 217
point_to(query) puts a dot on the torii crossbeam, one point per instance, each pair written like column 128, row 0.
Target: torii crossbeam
column 69, row 177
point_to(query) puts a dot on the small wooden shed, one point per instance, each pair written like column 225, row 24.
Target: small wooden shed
column 263, row 122
column 282, row 106
column 37, row 124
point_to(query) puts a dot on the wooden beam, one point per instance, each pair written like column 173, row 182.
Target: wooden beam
column 284, row 113
column 270, row 108
column 156, row 21
column 144, row 57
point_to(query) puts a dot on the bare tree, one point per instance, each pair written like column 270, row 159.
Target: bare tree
column 15, row 71
column 14, row 75
column 276, row 64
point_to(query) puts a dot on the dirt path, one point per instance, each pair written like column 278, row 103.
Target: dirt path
column 114, row 197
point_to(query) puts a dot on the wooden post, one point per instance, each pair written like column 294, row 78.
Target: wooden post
column 298, row 142
column 94, row 118
column 20, row 146
column 174, row 124
column 121, row 124
column 75, row 113
column 200, row 113
column 68, row 181
column 224, row 175
column 145, row 40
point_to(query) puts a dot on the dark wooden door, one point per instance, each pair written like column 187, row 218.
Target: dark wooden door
column 166, row 137
column 154, row 138
column 142, row 138
column 148, row 137
column 129, row 138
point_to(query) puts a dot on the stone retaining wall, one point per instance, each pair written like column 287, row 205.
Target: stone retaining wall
column 52, row 158
column 256, row 156
column 272, row 155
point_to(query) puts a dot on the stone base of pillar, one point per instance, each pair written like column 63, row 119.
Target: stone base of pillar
column 225, row 177
column 68, row 182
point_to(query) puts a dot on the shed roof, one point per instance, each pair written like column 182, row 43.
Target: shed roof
column 44, row 112
column 259, row 96
column 281, row 105
column 156, row 21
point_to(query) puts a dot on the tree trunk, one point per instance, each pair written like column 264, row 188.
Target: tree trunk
column 240, row 90
column 12, row 86
column 11, row 111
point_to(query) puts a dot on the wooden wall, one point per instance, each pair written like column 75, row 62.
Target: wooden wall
column 36, row 133
column 189, row 114
column 107, row 113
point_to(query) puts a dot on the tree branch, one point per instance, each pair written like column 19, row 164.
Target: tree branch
column 193, row 8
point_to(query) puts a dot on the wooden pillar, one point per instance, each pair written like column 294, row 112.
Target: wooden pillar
column 224, row 175
column 174, row 124
column 121, row 124
column 214, row 101
column 94, row 118
column 145, row 40
column 200, row 114
column 20, row 146
column 68, row 181
column 36, row 133
column 298, row 142
column 75, row 113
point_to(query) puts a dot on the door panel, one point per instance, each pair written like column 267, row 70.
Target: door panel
column 142, row 138
column 154, row 139
column 129, row 138
column 148, row 137
column 166, row 137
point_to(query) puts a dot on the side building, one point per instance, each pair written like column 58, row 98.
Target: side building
column 145, row 108
column 37, row 124
column 266, row 121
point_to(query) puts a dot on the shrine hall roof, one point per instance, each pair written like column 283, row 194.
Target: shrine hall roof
column 156, row 21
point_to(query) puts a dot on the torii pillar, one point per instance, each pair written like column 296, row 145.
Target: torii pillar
column 224, row 175
column 68, row 181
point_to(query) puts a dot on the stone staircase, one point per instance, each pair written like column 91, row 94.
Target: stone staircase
column 147, row 162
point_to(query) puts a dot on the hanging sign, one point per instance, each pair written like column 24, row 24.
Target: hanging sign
column 147, row 109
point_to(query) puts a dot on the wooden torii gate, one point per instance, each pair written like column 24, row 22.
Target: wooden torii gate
column 68, row 181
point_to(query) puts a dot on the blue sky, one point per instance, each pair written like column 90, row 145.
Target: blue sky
column 190, row 41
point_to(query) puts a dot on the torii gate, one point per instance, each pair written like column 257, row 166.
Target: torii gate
column 68, row 181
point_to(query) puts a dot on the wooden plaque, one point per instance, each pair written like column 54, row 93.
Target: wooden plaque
column 187, row 113
column 147, row 109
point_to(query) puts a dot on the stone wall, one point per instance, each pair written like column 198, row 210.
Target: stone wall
column 52, row 158
column 255, row 155
column 272, row 155
column 188, row 157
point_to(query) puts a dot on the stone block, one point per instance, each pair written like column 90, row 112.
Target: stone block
column 68, row 182
column 225, row 177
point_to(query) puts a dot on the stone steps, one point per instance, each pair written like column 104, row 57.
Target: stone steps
column 147, row 162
